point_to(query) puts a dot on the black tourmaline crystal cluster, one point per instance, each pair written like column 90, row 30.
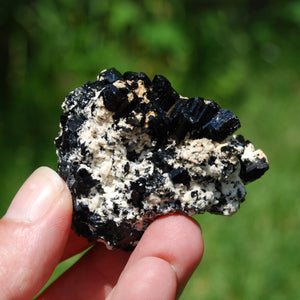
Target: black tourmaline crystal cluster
column 132, row 149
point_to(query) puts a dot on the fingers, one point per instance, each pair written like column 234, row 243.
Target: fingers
column 33, row 234
column 36, row 228
column 159, row 268
column 148, row 279
column 75, row 245
column 172, row 243
column 92, row 277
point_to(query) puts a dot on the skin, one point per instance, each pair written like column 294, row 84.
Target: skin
column 35, row 236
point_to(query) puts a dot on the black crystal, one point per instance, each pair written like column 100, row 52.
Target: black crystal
column 180, row 175
column 110, row 76
column 83, row 182
column 189, row 115
column 91, row 226
column 163, row 113
column 165, row 95
column 133, row 76
column 115, row 99
column 251, row 171
column 222, row 125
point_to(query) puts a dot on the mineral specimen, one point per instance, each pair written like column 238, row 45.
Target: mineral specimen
column 132, row 149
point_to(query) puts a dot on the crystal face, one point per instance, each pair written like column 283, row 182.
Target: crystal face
column 132, row 149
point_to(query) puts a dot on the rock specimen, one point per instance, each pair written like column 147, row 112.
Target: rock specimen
column 132, row 149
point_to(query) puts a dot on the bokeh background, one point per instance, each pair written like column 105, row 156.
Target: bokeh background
column 243, row 54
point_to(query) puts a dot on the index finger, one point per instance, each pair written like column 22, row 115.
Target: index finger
column 175, row 239
column 75, row 244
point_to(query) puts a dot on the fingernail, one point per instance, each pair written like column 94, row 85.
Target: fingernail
column 36, row 196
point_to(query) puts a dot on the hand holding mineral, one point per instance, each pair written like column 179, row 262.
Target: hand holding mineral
column 35, row 236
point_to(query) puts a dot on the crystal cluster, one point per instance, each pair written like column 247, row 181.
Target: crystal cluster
column 132, row 149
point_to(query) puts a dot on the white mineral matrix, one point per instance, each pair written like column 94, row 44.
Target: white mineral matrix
column 132, row 149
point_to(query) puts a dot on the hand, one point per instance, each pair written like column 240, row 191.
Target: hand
column 35, row 236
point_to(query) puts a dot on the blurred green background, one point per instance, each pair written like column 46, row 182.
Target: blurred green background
column 243, row 54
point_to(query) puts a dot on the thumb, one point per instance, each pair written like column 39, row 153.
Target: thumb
column 33, row 234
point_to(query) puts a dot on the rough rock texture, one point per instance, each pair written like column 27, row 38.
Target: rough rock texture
column 132, row 149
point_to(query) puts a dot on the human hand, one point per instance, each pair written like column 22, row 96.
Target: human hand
column 35, row 236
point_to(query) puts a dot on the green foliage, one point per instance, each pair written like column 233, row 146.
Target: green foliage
column 243, row 54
